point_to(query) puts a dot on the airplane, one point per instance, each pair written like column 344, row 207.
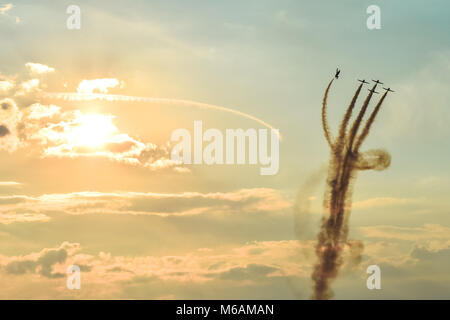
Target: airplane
column 337, row 73
column 377, row 81
column 388, row 89
column 362, row 81
column 373, row 91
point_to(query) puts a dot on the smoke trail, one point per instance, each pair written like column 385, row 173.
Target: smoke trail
column 369, row 123
column 345, row 120
column 344, row 163
column 360, row 116
column 326, row 128
column 72, row 96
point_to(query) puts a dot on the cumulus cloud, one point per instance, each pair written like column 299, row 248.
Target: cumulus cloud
column 6, row 85
column 28, row 86
column 9, row 118
column 4, row 130
column 237, row 267
column 98, row 85
column 73, row 134
column 48, row 131
column 37, row 68
column 42, row 262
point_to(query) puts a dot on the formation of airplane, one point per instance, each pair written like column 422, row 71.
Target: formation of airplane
column 337, row 73
column 363, row 81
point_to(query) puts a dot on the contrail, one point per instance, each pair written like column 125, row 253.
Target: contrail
column 344, row 162
column 74, row 96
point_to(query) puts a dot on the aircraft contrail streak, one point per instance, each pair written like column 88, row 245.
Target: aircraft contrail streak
column 73, row 96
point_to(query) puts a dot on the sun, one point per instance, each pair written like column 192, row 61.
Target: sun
column 91, row 130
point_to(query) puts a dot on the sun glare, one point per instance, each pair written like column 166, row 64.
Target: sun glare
column 92, row 130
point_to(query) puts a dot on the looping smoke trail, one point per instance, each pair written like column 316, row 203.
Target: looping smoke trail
column 377, row 159
column 73, row 96
column 326, row 128
column 344, row 163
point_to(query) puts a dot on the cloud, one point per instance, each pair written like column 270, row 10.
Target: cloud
column 4, row 130
column 25, row 208
column 4, row 11
column 382, row 202
column 427, row 232
column 8, row 218
column 98, row 85
column 9, row 117
column 28, row 86
column 114, row 276
column 37, row 68
column 10, row 184
column 41, row 263
column 39, row 111
column 251, row 272
column 51, row 132
column 5, row 8
column 6, row 85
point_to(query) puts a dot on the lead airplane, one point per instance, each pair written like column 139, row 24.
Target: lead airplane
column 377, row 81
column 363, row 81
column 337, row 73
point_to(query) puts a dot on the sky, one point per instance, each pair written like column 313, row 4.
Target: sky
column 92, row 183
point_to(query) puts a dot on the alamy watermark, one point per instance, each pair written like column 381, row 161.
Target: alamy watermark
column 73, row 281
column 374, row 280
column 73, row 22
column 374, row 19
column 237, row 147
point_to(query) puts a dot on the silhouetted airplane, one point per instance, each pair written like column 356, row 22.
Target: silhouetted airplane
column 377, row 81
column 337, row 73
column 373, row 91
column 388, row 89
column 363, row 81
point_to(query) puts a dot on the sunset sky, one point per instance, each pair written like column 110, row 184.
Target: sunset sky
column 92, row 183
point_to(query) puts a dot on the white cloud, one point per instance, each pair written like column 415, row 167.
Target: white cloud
column 28, row 86
column 98, row 85
column 37, row 68
column 10, row 184
column 5, row 8
column 6, row 85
